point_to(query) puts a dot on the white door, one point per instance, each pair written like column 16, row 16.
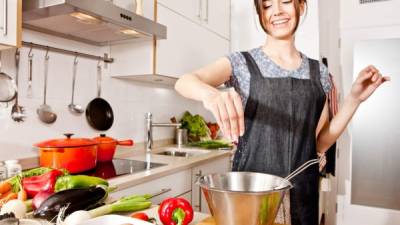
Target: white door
column 10, row 23
column 189, row 46
column 216, row 16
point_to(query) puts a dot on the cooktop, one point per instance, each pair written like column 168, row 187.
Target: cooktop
column 119, row 167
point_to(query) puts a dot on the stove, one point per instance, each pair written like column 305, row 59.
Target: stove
column 119, row 167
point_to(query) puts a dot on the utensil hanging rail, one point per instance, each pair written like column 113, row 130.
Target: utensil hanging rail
column 105, row 58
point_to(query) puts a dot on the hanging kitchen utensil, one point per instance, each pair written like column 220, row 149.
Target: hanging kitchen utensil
column 30, row 61
column 99, row 113
column 17, row 111
column 74, row 108
column 8, row 89
column 45, row 112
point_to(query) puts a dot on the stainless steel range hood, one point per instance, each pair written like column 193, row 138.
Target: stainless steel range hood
column 96, row 22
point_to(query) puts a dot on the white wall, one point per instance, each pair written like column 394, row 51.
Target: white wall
column 130, row 100
column 361, row 22
column 247, row 33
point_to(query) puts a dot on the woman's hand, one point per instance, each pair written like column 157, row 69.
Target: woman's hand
column 226, row 106
column 368, row 80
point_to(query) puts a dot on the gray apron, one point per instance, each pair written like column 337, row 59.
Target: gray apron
column 281, row 117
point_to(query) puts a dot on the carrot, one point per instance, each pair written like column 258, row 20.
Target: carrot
column 5, row 187
column 7, row 197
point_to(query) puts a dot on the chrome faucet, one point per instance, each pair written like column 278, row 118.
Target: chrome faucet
column 149, row 130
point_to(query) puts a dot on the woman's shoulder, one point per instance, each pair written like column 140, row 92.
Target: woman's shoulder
column 324, row 74
column 237, row 57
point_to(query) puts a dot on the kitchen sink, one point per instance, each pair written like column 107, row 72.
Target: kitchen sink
column 182, row 152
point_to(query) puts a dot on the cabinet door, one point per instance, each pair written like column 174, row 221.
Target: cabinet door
column 178, row 184
column 216, row 16
column 188, row 45
column 191, row 9
column 199, row 202
column 10, row 23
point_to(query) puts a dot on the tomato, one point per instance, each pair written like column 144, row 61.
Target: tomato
column 140, row 216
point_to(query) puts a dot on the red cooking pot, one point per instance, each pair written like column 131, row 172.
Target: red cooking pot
column 106, row 147
column 74, row 154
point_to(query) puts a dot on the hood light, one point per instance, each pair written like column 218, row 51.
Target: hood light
column 84, row 18
column 129, row 32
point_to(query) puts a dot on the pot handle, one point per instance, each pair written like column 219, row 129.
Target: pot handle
column 125, row 142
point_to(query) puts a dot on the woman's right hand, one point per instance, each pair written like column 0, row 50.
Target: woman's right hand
column 227, row 108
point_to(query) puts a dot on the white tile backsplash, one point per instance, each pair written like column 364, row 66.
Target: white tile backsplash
column 130, row 100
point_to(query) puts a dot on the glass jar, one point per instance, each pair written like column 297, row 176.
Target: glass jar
column 13, row 168
column 3, row 171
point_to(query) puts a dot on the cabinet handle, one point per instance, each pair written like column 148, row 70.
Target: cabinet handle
column 5, row 5
column 198, row 175
column 163, row 191
column 200, row 10
column 207, row 9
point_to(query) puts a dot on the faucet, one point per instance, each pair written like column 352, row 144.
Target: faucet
column 149, row 130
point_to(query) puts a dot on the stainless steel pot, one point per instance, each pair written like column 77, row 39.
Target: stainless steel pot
column 239, row 198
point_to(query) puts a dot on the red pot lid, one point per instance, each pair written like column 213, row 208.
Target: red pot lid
column 66, row 142
column 103, row 139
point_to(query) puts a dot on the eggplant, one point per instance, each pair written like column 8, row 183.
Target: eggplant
column 74, row 199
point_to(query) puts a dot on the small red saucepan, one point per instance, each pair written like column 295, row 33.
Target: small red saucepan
column 106, row 147
column 74, row 154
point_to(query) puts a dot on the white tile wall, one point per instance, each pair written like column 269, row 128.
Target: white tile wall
column 130, row 100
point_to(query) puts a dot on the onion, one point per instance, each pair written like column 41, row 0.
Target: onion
column 17, row 207
column 77, row 217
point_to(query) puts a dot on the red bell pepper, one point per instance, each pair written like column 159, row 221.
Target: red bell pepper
column 175, row 211
column 44, row 182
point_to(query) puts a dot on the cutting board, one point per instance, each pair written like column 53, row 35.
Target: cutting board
column 211, row 221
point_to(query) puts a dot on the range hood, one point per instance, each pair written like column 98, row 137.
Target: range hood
column 96, row 22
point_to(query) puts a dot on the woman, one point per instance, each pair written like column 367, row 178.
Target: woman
column 278, row 105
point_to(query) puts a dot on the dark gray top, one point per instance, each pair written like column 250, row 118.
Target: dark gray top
column 240, row 78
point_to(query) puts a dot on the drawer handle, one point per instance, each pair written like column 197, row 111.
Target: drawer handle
column 5, row 5
column 163, row 191
column 198, row 176
column 199, row 13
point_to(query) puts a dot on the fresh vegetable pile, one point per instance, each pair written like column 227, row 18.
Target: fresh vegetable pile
column 213, row 144
column 196, row 126
column 54, row 194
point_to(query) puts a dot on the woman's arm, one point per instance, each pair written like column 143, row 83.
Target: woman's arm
column 226, row 106
column 368, row 80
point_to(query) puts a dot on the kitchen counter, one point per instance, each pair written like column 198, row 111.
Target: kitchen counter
column 173, row 164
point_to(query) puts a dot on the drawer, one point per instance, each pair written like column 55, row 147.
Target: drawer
column 178, row 184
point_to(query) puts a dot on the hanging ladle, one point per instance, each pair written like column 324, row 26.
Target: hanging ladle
column 45, row 112
column 17, row 111
column 296, row 172
column 74, row 108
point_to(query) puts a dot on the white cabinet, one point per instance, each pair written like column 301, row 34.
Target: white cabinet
column 10, row 23
column 369, row 14
column 213, row 15
column 188, row 46
column 178, row 183
column 221, row 165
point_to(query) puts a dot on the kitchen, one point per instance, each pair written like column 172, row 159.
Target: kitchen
column 226, row 32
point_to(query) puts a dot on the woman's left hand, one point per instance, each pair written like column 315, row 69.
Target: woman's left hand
column 368, row 80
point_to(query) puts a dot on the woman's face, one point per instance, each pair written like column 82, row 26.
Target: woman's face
column 280, row 18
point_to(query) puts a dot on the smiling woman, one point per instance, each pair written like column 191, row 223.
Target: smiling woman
column 276, row 108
